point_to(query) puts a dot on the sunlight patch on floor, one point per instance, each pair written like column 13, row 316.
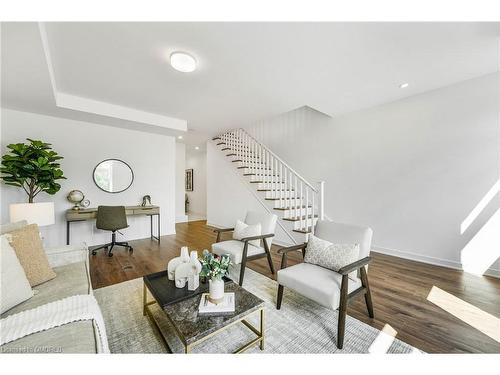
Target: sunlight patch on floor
column 383, row 341
column 470, row 314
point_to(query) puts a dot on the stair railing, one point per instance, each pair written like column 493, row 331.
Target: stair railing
column 284, row 183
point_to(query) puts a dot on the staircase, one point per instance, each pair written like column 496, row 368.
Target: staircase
column 278, row 187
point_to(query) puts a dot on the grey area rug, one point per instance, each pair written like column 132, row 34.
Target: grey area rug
column 301, row 326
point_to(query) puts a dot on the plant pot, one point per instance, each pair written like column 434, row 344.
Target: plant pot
column 216, row 291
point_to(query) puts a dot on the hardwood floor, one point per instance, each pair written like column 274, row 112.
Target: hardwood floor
column 399, row 288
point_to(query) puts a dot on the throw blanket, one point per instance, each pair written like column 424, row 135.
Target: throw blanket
column 55, row 314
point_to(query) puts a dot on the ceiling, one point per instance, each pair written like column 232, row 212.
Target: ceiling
column 246, row 71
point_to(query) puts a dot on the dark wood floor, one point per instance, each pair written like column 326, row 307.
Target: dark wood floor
column 399, row 288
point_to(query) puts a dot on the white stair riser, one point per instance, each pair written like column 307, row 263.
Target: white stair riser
column 263, row 173
column 276, row 185
column 280, row 194
column 265, row 179
column 252, row 165
column 292, row 213
column 297, row 225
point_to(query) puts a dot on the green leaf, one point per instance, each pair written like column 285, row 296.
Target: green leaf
column 32, row 164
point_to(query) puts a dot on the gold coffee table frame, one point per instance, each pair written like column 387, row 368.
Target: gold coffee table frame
column 187, row 347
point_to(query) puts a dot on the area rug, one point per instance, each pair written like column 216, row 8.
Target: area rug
column 301, row 326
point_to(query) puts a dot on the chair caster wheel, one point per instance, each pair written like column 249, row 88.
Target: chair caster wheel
column 110, row 255
column 94, row 253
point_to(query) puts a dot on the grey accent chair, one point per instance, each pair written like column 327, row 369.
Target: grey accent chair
column 112, row 218
column 324, row 286
column 241, row 251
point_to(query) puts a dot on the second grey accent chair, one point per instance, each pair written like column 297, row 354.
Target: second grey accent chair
column 112, row 218
column 242, row 251
column 327, row 287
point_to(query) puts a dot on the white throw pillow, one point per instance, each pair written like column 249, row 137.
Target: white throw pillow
column 242, row 230
column 15, row 287
column 331, row 256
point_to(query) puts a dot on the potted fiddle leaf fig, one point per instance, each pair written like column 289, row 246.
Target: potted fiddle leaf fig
column 33, row 166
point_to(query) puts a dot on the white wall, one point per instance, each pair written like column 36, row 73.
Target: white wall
column 83, row 145
column 197, row 160
column 413, row 169
column 180, row 170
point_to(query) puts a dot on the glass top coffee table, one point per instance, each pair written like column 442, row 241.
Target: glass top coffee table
column 180, row 307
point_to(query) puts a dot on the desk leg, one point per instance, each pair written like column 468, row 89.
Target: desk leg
column 151, row 224
column 67, row 232
column 159, row 228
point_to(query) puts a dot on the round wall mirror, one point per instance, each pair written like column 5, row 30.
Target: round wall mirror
column 113, row 175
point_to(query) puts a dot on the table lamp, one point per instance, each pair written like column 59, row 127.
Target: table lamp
column 41, row 214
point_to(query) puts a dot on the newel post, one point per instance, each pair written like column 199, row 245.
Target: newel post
column 321, row 200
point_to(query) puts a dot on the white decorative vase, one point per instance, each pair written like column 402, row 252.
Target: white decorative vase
column 216, row 290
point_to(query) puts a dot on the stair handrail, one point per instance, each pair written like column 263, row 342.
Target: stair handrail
column 280, row 160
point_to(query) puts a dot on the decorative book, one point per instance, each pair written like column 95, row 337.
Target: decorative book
column 208, row 308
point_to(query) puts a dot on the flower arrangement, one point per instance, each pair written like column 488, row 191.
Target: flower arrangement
column 214, row 267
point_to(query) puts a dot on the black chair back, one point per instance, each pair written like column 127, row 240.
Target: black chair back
column 111, row 218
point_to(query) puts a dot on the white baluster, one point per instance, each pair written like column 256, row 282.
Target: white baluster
column 296, row 215
column 281, row 179
column 307, row 205
column 273, row 184
column 321, row 200
column 301, row 203
column 254, row 153
column 312, row 213
column 283, row 186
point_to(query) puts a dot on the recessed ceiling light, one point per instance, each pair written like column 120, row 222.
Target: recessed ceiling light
column 183, row 62
column 179, row 137
column 196, row 148
column 404, row 85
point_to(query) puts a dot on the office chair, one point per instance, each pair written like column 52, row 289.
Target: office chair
column 111, row 218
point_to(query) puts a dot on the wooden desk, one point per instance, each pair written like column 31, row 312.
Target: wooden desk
column 91, row 214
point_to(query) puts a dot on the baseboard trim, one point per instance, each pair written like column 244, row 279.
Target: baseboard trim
column 428, row 259
column 181, row 219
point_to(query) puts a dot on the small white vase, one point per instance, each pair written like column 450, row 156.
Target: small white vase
column 216, row 290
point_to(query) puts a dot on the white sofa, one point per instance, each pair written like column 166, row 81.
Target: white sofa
column 71, row 265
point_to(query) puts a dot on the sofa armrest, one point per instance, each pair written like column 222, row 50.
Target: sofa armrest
column 354, row 266
column 221, row 230
column 286, row 250
column 67, row 254
column 260, row 237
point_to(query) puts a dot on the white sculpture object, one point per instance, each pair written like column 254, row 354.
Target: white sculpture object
column 194, row 275
column 174, row 263
column 188, row 272
column 181, row 274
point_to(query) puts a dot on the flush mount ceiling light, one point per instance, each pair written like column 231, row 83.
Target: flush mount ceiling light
column 183, row 62
column 196, row 148
column 179, row 137
column 404, row 85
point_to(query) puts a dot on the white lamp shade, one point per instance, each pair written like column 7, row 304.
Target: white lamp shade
column 34, row 213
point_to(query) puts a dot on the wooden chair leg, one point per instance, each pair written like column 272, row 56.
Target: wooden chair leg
column 269, row 259
column 243, row 263
column 280, row 297
column 368, row 294
column 342, row 312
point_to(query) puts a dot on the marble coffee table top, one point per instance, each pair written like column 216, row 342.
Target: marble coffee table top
column 192, row 327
